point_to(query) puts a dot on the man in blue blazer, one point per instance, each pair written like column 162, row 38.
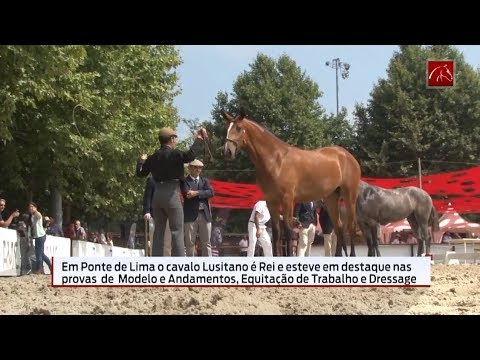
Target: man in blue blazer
column 197, row 214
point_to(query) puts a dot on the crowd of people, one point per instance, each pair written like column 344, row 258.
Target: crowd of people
column 402, row 237
column 33, row 228
column 311, row 220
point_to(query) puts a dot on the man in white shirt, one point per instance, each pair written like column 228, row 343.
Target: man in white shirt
column 258, row 230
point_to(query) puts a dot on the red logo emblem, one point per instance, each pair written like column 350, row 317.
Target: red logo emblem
column 441, row 73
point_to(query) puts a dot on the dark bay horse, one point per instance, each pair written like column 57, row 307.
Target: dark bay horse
column 287, row 174
column 376, row 205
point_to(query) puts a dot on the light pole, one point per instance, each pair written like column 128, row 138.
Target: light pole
column 344, row 67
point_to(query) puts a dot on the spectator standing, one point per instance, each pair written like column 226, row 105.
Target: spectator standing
column 167, row 168
column 80, row 233
column 27, row 250
column 52, row 228
column 109, row 239
column 307, row 216
column 39, row 235
column 197, row 214
column 6, row 223
column 70, row 231
column 257, row 229
column 329, row 236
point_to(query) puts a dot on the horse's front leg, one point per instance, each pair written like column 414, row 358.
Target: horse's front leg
column 376, row 247
column 350, row 195
column 424, row 235
column 350, row 230
column 417, row 233
column 374, row 235
column 420, row 247
column 367, row 233
column 288, row 239
column 288, row 218
column 429, row 241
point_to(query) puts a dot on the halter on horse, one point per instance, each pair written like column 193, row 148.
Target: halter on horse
column 287, row 174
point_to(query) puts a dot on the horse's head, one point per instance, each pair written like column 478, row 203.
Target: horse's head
column 235, row 134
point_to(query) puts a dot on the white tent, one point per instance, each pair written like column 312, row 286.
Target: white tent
column 451, row 221
column 393, row 227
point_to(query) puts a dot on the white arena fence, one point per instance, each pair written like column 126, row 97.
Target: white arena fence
column 10, row 252
column 11, row 259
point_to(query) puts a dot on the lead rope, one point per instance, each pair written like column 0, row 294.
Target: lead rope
column 207, row 150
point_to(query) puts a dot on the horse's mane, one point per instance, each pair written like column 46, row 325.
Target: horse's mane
column 265, row 130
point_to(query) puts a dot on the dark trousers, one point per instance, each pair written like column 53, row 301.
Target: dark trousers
column 40, row 254
column 167, row 205
column 26, row 250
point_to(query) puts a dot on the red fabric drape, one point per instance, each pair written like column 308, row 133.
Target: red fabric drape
column 459, row 188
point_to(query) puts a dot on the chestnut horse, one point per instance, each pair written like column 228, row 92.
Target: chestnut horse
column 287, row 174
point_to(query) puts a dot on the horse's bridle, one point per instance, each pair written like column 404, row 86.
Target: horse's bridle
column 233, row 141
column 228, row 131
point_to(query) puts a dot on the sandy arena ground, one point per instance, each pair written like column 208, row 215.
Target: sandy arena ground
column 455, row 290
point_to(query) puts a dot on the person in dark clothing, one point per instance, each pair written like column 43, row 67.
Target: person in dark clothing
column 52, row 228
column 26, row 244
column 148, row 198
column 329, row 236
column 6, row 223
column 147, row 215
column 197, row 192
column 307, row 217
column 167, row 168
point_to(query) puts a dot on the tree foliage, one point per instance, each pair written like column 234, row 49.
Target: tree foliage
column 404, row 120
column 279, row 95
column 75, row 118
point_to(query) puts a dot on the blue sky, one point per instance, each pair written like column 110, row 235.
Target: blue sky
column 208, row 69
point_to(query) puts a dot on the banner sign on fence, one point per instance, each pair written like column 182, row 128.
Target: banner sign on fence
column 9, row 253
column 241, row 271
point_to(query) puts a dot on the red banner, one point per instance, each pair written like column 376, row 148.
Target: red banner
column 459, row 188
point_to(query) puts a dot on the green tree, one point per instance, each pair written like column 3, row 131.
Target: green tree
column 136, row 87
column 404, row 120
column 38, row 80
column 76, row 119
column 279, row 95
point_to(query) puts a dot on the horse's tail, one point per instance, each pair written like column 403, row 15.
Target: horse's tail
column 433, row 220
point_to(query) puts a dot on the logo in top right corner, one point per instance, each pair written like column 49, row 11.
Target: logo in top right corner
column 440, row 73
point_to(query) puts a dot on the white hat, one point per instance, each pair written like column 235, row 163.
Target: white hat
column 196, row 162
